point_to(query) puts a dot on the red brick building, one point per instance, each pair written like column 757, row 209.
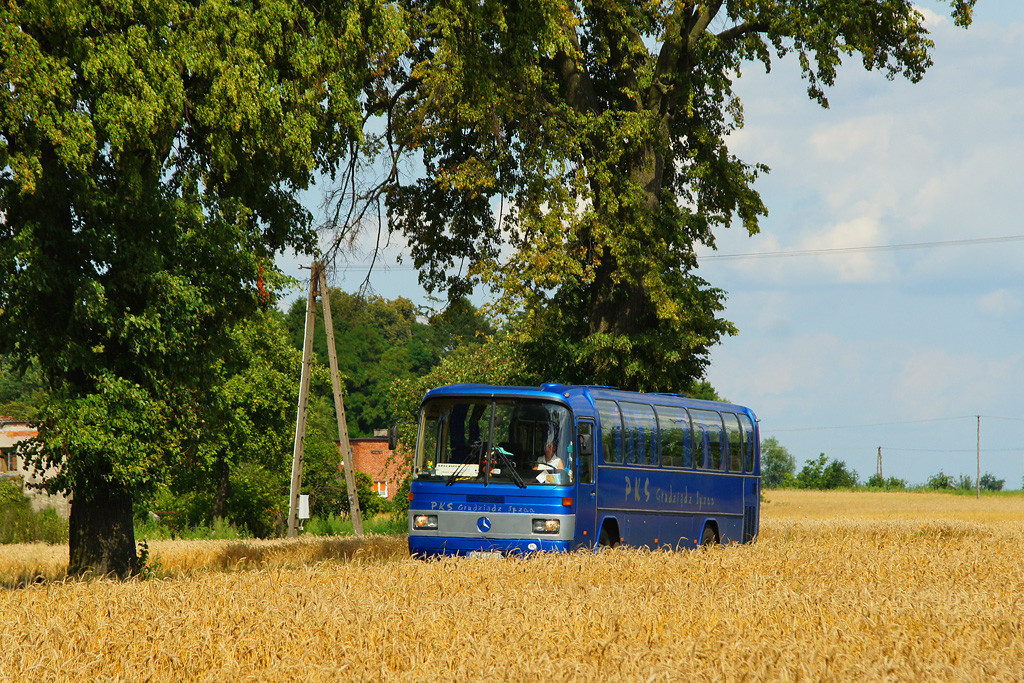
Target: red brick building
column 372, row 456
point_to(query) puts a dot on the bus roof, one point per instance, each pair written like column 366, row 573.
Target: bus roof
column 564, row 392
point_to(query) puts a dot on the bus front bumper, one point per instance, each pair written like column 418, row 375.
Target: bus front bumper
column 429, row 546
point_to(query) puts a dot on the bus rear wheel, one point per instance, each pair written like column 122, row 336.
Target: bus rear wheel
column 708, row 538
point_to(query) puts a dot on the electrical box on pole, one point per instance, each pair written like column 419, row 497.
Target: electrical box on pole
column 298, row 451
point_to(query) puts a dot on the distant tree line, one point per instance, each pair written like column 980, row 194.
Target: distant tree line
column 778, row 471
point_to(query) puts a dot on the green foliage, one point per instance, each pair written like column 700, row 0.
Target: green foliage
column 826, row 474
column 400, row 501
column 21, row 389
column 601, row 131
column 379, row 341
column 150, row 156
column 778, row 466
column 498, row 360
column 154, row 529
column 240, row 454
column 878, row 481
column 702, row 389
column 11, row 495
column 989, row 482
column 20, row 524
column 940, row 481
column 337, row 525
column 370, row 504
column 964, row 482
column 321, row 478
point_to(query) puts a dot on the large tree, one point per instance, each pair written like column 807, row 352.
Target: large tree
column 574, row 154
column 150, row 154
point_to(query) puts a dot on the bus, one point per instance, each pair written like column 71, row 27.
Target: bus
column 502, row 470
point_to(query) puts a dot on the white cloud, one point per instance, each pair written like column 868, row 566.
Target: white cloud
column 1000, row 303
column 940, row 382
column 850, row 267
column 865, row 136
column 931, row 19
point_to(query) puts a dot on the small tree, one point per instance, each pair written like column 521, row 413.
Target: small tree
column 825, row 474
column 989, row 482
column 940, row 481
column 778, row 466
column 877, row 481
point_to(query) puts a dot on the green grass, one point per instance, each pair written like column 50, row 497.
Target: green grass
column 384, row 524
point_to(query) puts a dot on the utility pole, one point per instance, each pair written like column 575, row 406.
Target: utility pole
column 880, row 462
column 979, row 458
column 298, row 451
column 339, row 410
column 318, row 290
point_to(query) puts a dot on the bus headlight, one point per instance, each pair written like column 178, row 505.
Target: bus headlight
column 424, row 522
column 546, row 526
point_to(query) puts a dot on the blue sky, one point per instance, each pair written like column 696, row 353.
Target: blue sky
column 847, row 351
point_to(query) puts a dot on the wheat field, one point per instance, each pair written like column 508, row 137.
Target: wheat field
column 839, row 587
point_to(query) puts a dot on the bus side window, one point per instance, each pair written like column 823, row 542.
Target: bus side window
column 748, row 444
column 732, row 428
column 714, row 439
column 650, row 421
column 700, row 438
column 641, row 434
column 717, row 443
column 676, row 442
column 611, row 431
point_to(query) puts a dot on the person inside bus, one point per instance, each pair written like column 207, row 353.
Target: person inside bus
column 550, row 465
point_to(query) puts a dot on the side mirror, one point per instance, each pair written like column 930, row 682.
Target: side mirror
column 393, row 436
column 586, row 445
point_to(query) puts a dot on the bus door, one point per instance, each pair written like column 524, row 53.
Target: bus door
column 586, row 489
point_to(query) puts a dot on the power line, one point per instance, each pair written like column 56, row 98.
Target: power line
column 953, row 450
column 865, row 249
column 779, row 254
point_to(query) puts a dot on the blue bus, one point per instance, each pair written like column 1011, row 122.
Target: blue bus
column 506, row 470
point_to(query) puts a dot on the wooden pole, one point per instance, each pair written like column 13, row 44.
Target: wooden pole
column 978, row 483
column 339, row 409
column 300, row 420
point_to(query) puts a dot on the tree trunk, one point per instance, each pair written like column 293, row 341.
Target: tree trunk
column 102, row 534
column 220, row 499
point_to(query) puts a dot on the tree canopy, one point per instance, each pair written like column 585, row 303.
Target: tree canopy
column 575, row 155
column 150, row 155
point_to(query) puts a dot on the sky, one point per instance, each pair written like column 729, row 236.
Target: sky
column 852, row 350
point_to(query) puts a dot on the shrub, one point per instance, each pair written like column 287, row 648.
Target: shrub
column 877, row 481
column 20, row 524
column 777, row 464
column 825, row 474
column 990, row 483
column 940, row 481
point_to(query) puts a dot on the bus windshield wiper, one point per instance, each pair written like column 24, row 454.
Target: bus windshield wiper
column 475, row 449
column 506, row 460
column 455, row 475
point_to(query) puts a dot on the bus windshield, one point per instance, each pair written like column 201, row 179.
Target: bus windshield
column 481, row 440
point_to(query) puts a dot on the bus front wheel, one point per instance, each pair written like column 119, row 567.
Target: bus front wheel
column 707, row 538
column 606, row 540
